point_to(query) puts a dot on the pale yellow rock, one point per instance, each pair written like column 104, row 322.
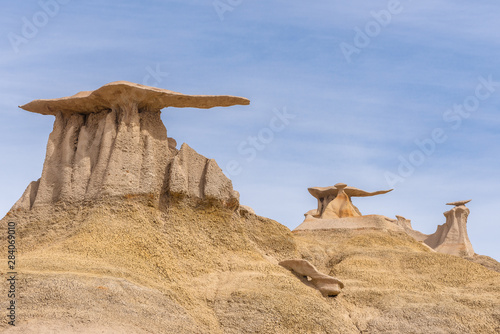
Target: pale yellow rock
column 327, row 285
column 336, row 211
column 125, row 267
column 122, row 264
column 124, row 93
column 341, row 205
column 245, row 209
column 336, row 201
column 359, row 222
column 459, row 203
column 451, row 237
column 112, row 142
column 193, row 175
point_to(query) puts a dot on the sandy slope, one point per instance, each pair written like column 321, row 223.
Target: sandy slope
column 124, row 266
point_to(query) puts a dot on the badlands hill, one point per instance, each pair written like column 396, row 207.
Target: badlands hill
column 102, row 253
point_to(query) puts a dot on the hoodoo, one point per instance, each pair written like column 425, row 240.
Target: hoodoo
column 452, row 237
column 336, row 211
column 126, row 233
column 112, row 142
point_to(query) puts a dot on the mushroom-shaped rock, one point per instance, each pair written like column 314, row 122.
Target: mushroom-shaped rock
column 335, row 201
column 120, row 94
column 112, row 142
column 451, row 237
column 327, row 285
column 341, row 206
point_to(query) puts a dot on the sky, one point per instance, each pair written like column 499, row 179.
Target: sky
column 376, row 94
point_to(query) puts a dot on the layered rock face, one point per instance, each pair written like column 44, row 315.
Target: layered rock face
column 112, row 142
column 327, row 285
column 452, row 237
column 336, row 211
column 193, row 175
column 335, row 202
column 116, row 263
column 449, row 238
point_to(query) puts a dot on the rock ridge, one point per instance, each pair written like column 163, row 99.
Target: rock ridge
column 336, row 211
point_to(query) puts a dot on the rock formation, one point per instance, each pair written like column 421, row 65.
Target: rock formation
column 451, row 237
column 335, row 202
column 336, row 211
column 98, row 253
column 327, row 285
column 112, row 142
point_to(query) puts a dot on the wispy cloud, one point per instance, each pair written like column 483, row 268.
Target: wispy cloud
column 353, row 120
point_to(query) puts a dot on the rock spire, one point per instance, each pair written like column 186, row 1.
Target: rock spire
column 335, row 201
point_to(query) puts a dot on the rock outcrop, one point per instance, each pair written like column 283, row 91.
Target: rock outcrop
column 99, row 255
column 360, row 222
column 327, row 285
column 336, row 211
column 335, row 202
column 195, row 176
column 112, row 142
column 451, row 237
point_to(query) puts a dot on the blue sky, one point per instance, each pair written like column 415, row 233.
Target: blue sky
column 379, row 94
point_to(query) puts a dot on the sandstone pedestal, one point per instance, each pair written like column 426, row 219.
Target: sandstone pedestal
column 451, row 237
column 335, row 202
column 112, row 142
column 336, row 211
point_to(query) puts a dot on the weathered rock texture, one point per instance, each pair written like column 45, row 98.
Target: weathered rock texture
column 336, row 211
column 360, row 222
column 327, row 285
column 112, row 142
column 122, row 266
column 335, row 202
column 451, row 237
column 131, row 264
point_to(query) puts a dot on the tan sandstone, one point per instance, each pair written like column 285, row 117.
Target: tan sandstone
column 169, row 258
column 327, row 285
column 336, row 211
column 335, row 202
column 112, row 142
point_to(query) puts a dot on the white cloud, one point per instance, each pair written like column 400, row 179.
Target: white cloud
column 353, row 120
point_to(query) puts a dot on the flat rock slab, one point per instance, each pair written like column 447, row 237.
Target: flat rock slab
column 320, row 192
column 120, row 93
column 459, row 202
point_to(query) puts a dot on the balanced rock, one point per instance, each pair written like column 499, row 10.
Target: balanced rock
column 451, row 237
column 124, row 265
column 327, row 285
column 336, row 211
column 335, row 202
column 112, row 142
